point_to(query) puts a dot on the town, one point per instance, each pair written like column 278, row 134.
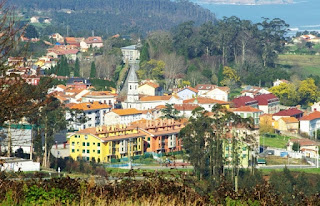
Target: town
column 190, row 105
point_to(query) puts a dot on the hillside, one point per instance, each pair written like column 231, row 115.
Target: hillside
column 112, row 16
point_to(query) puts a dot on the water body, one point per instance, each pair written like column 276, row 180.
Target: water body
column 301, row 15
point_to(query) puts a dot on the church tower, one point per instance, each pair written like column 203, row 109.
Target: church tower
column 132, row 95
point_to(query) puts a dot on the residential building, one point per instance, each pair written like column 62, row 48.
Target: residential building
column 94, row 42
column 122, row 116
column 204, row 88
column 308, row 147
column 219, row 93
column 57, row 37
column 245, row 101
column 291, row 112
column 252, row 91
column 78, row 83
column 161, row 135
column 93, row 112
column 268, row 103
column 130, row 53
column 105, row 143
column 280, row 81
column 185, row 110
column 287, row 124
column 105, row 97
column 240, row 148
column 206, row 103
column 247, row 112
column 187, row 93
column 315, row 106
column 150, row 89
column 150, row 102
column 13, row 164
column 310, row 123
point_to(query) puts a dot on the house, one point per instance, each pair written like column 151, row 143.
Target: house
column 247, row 112
column 34, row 19
column 308, row 147
column 185, row 110
column 149, row 102
column 280, row 81
column 310, row 123
column 78, row 83
column 268, row 103
column 187, row 93
column 150, row 89
column 75, row 94
column 105, row 97
column 245, row 101
column 13, row 164
column 57, row 37
column 219, row 93
column 315, row 106
column 94, row 114
column 122, row 116
column 291, row 112
column 70, row 54
column 287, row 124
column 253, row 91
column 204, row 88
column 161, row 135
column 94, row 42
column 206, row 103
column 130, row 53
column 106, row 143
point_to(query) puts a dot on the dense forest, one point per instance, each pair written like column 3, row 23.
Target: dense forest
column 112, row 16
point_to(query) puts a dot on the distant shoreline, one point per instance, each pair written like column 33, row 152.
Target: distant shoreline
column 246, row 2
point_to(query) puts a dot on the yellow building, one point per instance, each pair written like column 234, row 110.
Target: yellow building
column 287, row 124
column 106, row 142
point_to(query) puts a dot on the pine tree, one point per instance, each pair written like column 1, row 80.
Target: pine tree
column 77, row 68
column 93, row 70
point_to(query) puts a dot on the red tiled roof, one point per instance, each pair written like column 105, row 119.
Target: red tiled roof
column 244, row 101
column 304, row 142
column 264, row 99
column 246, row 109
column 288, row 112
column 203, row 100
column 185, row 107
column 190, row 88
column 88, row 106
column 124, row 112
column 290, row 120
column 151, row 84
column 94, row 39
column 311, row 116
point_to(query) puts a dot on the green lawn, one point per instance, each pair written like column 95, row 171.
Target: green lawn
column 306, row 170
column 304, row 64
column 277, row 141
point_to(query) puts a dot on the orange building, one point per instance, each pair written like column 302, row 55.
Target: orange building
column 162, row 135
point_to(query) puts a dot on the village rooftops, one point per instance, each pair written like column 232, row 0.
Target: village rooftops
column 87, row 106
column 190, row 88
column 99, row 94
column 185, row 107
column 244, row 101
column 204, row 100
column 304, row 142
column 246, row 109
column 205, row 87
column 151, row 84
column 265, row 99
column 290, row 120
column 311, row 116
column 157, row 98
column 125, row 112
column 289, row 112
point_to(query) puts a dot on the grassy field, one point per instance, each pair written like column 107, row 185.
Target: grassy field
column 274, row 160
column 277, row 141
column 306, row 170
column 303, row 64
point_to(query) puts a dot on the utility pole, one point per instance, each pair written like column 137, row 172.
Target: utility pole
column 9, row 139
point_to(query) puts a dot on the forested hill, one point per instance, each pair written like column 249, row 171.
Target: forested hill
column 114, row 16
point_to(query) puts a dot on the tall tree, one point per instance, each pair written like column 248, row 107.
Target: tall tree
column 93, row 71
column 77, row 68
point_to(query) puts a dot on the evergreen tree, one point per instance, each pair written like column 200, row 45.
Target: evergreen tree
column 220, row 75
column 144, row 56
column 77, row 68
column 93, row 70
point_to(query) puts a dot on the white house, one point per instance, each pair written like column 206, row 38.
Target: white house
column 34, row 19
column 130, row 53
column 280, row 81
column 206, row 103
column 150, row 102
column 204, row 88
column 219, row 93
column 252, row 91
column 94, row 42
column 268, row 103
column 310, row 123
column 315, row 106
column 105, row 97
column 12, row 164
column 149, row 88
column 187, row 93
column 308, row 147
column 122, row 116
column 94, row 113
column 185, row 110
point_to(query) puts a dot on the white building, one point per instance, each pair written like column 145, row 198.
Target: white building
column 12, row 164
column 130, row 53
column 105, row 97
column 206, row 103
column 94, row 113
column 122, row 116
column 310, row 123
column 219, row 93
column 280, row 81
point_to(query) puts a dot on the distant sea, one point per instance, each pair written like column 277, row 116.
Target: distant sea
column 301, row 15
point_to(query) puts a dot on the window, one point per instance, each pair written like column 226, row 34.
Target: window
column 88, row 151
column 148, row 138
column 98, row 151
column 227, row 148
column 83, row 151
column 244, row 156
column 244, row 148
column 93, row 150
column 83, row 144
column 72, row 143
column 72, row 150
column 86, row 136
column 94, row 143
column 88, row 158
column 88, row 144
column 77, row 150
column 98, row 144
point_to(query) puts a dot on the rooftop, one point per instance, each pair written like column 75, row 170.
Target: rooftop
column 87, row 106
column 311, row 116
column 244, row 101
column 204, row 100
column 246, row 109
column 265, row 99
column 288, row 112
column 124, row 112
